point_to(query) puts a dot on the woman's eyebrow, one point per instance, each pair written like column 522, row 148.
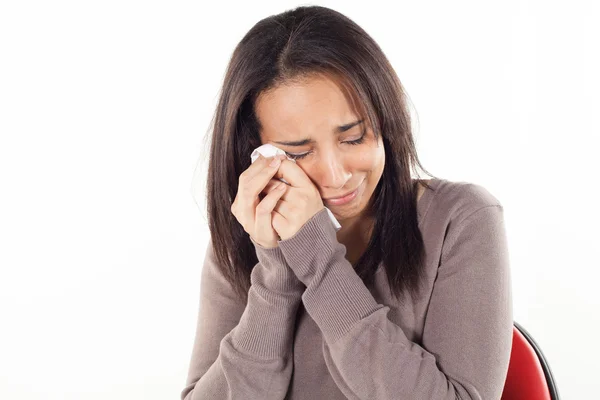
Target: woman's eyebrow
column 344, row 128
column 338, row 130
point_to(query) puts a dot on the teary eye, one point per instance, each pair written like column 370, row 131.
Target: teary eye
column 297, row 156
column 355, row 142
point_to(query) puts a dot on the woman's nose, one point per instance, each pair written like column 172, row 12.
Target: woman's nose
column 333, row 174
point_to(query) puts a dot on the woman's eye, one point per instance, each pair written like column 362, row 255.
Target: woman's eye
column 357, row 141
column 297, row 156
column 350, row 142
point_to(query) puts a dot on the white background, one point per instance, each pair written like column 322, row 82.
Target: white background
column 104, row 107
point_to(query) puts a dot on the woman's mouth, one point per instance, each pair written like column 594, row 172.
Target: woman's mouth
column 339, row 201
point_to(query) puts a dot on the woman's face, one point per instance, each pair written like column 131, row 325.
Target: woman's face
column 306, row 120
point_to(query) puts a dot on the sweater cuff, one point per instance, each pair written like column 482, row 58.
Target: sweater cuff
column 335, row 296
column 279, row 277
column 313, row 245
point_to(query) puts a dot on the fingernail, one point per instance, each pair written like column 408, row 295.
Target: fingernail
column 275, row 162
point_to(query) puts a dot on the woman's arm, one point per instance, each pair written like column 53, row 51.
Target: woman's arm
column 244, row 351
column 468, row 328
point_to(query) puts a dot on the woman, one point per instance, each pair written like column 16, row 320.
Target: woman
column 410, row 299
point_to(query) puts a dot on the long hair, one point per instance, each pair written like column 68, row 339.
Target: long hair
column 296, row 44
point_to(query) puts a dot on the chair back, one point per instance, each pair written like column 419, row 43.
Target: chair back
column 529, row 376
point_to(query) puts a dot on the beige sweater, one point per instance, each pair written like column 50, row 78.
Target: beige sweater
column 338, row 339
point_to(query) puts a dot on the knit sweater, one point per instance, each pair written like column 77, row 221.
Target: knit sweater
column 312, row 329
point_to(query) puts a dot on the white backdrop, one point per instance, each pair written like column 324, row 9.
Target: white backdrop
column 104, row 107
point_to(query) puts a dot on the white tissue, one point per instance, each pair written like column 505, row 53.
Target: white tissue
column 268, row 150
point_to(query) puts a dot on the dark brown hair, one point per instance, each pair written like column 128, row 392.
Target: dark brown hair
column 293, row 45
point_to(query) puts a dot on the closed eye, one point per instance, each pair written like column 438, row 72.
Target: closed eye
column 358, row 141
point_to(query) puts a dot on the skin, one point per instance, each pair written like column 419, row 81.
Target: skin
column 312, row 109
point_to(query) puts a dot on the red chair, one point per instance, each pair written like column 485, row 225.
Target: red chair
column 529, row 376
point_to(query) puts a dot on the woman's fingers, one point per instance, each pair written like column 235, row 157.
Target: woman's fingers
column 263, row 226
column 250, row 189
column 253, row 208
column 256, row 167
column 262, row 178
column 272, row 183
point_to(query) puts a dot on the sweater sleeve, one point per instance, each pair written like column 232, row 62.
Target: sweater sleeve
column 244, row 351
column 467, row 336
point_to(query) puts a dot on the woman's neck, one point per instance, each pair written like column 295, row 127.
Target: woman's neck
column 355, row 233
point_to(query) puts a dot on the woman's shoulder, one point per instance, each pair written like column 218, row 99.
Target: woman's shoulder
column 460, row 198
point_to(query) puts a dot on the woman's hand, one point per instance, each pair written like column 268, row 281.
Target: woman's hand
column 255, row 214
column 300, row 201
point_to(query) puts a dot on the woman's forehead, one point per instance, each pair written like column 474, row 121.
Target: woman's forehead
column 301, row 108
